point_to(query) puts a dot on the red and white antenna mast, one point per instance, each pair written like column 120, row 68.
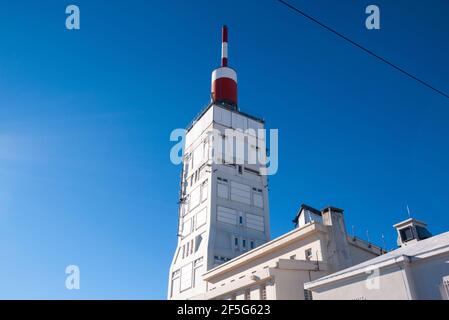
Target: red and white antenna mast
column 224, row 79
column 224, row 47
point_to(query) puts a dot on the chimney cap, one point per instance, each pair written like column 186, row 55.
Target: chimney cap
column 330, row 208
column 409, row 221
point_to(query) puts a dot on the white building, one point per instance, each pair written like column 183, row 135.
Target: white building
column 223, row 230
column 419, row 269
column 223, row 199
column 318, row 246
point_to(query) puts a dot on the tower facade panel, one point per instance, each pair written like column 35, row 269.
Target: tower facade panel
column 224, row 198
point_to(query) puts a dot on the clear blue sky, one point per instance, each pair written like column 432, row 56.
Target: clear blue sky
column 85, row 119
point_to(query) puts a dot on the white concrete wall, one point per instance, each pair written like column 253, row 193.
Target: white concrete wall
column 391, row 287
column 428, row 275
column 359, row 255
column 290, row 283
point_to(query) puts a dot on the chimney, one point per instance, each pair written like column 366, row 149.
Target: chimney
column 339, row 256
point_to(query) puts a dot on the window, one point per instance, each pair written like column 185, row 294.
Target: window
column 205, row 149
column 195, row 198
column 186, row 277
column 293, row 257
column 183, row 251
column 257, row 198
column 227, row 215
column 198, row 241
column 252, row 244
column 240, row 170
column 252, row 171
column 186, row 164
column 187, row 249
column 222, row 189
column 263, row 292
column 407, row 234
column 204, row 191
column 219, row 260
column 255, row 222
column 236, row 243
column 201, row 218
column 240, row 192
column 241, row 219
column 191, row 246
column 175, row 283
column 197, row 271
column 308, row 295
column 187, row 228
column 243, row 243
column 247, row 294
column 423, row 233
column 309, row 254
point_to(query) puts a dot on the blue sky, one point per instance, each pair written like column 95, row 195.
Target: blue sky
column 85, row 120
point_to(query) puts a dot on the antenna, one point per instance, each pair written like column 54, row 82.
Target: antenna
column 408, row 211
column 383, row 242
column 224, row 47
column 367, row 236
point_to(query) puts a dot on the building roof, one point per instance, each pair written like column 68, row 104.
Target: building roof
column 305, row 207
column 315, row 211
column 420, row 248
column 225, row 106
column 266, row 248
column 410, row 220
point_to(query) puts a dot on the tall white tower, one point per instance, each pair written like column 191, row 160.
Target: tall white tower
column 224, row 194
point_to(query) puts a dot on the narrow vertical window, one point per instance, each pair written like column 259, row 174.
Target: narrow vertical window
column 247, row 294
column 308, row 295
column 263, row 292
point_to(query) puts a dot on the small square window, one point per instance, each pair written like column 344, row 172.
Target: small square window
column 407, row 234
column 252, row 244
column 309, row 254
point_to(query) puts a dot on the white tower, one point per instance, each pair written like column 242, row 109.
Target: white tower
column 224, row 193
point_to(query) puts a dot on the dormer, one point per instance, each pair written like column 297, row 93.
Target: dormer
column 411, row 231
column 307, row 214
